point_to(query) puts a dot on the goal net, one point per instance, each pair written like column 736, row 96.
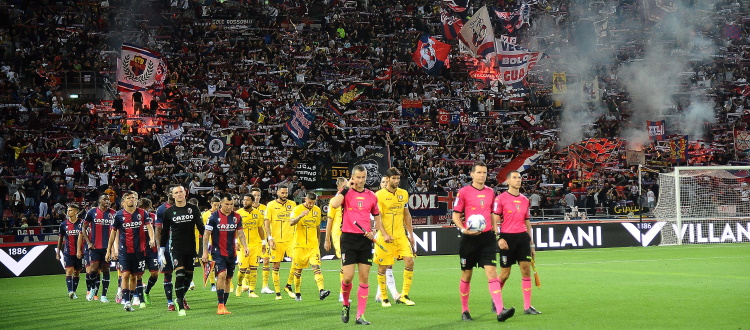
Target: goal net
column 709, row 204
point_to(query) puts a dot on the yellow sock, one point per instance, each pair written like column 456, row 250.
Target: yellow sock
column 298, row 281
column 266, row 273
column 251, row 278
column 408, row 274
column 276, row 279
column 290, row 279
column 381, row 286
column 240, row 278
column 319, row 279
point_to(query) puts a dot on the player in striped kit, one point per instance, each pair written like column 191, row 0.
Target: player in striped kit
column 97, row 224
column 134, row 242
column 67, row 244
column 152, row 255
column 222, row 228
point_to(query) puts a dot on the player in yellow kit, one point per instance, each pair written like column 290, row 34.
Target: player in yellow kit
column 280, row 234
column 252, row 224
column 333, row 230
column 306, row 218
column 215, row 203
column 264, row 256
column 393, row 203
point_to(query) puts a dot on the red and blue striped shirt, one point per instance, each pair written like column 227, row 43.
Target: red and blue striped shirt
column 224, row 230
column 70, row 230
column 133, row 237
column 100, row 223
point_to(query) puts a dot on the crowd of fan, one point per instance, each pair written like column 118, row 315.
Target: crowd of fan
column 238, row 80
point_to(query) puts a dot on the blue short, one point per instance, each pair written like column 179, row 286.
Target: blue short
column 224, row 264
column 134, row 263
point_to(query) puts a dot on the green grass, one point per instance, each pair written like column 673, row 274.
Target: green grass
column 691, row 287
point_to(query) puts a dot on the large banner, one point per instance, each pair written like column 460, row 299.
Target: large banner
column 583, row 235
column 425, row 204
column 216, row 146
column 514, row 62
column 376, row 162
column 714, row 231
column 509, row 20
column 452, row 24
column 298, row 126
column 478, row 34
column 411, row 108
column 591, row 153
column 139, row 68
column 431, row 54
column 29, row 259
column 678, row 149
column 339, row 102
column 315, row 174
column 656, row 131
column 166, row 139
column 742, row 141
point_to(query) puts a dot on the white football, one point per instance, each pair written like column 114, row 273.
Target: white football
column 476, row 222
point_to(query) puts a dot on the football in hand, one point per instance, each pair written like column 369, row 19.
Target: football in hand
column 476, row 222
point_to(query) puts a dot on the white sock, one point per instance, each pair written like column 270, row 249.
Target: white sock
column 390, row 282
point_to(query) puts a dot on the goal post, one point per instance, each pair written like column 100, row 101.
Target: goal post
column 704, row 204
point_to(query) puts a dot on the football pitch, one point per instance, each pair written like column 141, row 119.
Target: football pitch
column 672, row 287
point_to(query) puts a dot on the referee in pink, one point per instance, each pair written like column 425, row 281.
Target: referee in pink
column 358, row 205
column 511, row 213
column 478, row 249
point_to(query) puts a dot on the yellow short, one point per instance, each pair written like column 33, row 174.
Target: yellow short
column 400, row 248
column 266, row 254
column 336, row 244
column 277, row 255
column 304, row 257
column 250, row 260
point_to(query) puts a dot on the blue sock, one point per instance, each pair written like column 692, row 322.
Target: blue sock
column 105, row 283
column 139, row 287
column 168, row 287
column 220, row 296
column 151, row 283
column 76, row 279
column 126, row 295
column 88, row 282
column 69, row 283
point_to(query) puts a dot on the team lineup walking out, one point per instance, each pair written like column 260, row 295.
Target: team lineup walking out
column 362, row 226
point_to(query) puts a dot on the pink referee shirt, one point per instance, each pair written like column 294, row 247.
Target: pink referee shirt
column 470, row 201
column 357, row 207
column 514, row 210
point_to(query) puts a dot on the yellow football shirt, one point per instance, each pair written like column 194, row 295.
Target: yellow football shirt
column 198, row 235
column 278, row 215
column 335, row 214
column 392, row 207
column 251, row 221
column 306, row 233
